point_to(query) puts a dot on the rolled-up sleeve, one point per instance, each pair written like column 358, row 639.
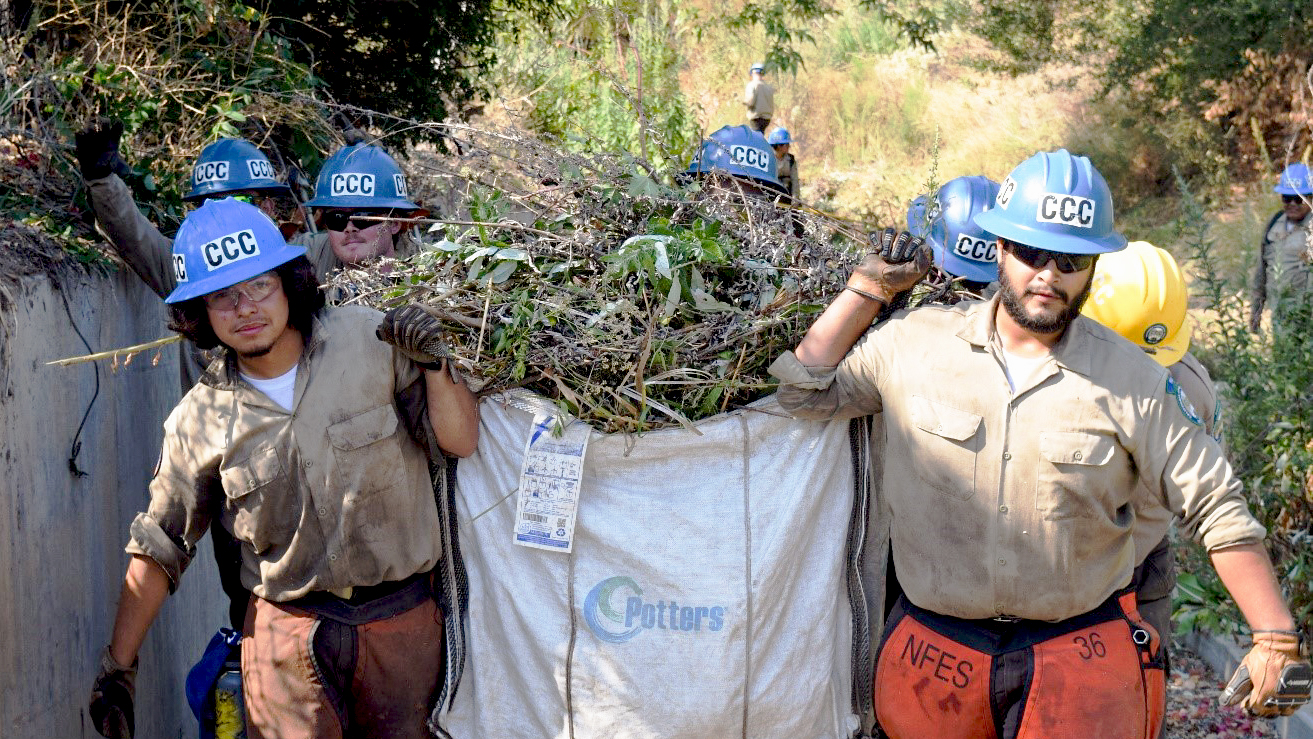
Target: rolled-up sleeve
column 1190, row 471
column 180, row 510
column 846, row 391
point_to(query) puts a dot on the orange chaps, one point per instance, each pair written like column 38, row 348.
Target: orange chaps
column 1099, row 674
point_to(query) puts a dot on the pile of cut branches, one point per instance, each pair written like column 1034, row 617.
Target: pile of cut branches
column 633, row 303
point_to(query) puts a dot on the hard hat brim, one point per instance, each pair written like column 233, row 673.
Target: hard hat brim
column 275, row 190
column 994, row 222
column 1288, row 190
column 360, row 201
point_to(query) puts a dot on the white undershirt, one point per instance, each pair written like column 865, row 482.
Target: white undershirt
column 1021, row 369
column 280, row 389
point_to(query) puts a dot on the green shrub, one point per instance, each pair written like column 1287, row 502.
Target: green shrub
column 1266, row 381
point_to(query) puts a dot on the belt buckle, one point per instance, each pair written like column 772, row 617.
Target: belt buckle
column 1006, row 619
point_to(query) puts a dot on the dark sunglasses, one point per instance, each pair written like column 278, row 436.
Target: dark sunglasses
column 337, row 220
column 1292, row 198
column 1039, row 258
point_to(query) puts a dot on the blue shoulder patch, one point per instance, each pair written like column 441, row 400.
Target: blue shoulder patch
column 1182, row 402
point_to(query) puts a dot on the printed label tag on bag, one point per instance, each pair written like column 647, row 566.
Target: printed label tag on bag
column 549, row 484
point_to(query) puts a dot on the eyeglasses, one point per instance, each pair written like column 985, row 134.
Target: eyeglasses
column 1293, row 198
column 337, row 220
column 1039, row 258
column 254, row 290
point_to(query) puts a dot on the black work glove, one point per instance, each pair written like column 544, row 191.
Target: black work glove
column 415, row 333
column 896, row 261
column 98, row 149
column 111, row 698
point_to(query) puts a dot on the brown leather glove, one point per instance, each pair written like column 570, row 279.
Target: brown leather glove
column 896, row 261
column 416, row 333
column 112, row 696
column 1274, row 677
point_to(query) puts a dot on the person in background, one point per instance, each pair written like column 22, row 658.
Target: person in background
column 966, row 253
column 1282, row 273
column 759, row 98
column 309, row 439
column 737, row 158
column 362, row 201
column 786, row 164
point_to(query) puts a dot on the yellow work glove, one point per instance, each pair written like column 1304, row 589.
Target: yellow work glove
column 1274, row 677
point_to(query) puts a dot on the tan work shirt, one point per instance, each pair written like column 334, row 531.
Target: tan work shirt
column 786, row 171
column 334, row 494
column 759, row 97
column 1283, row 267
column 1153, row 521
column 150, row 253
column 1021, row 505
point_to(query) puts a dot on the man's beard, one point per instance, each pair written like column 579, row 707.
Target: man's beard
column 1041, row 324
column 257, row 352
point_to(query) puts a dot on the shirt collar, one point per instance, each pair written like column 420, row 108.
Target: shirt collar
column 1074, row 351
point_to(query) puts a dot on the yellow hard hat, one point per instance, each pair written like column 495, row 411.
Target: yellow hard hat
column 1140, row 293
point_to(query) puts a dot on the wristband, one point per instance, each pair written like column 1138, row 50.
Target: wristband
column 433, row 366
column 869, row 296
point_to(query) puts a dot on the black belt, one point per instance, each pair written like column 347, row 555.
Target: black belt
column 1005, row 634
column 369, row 603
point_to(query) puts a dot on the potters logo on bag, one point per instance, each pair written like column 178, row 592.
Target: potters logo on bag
column 616, row 612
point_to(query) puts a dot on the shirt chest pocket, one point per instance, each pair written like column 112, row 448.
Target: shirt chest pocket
column 945, row 445
column 367, row 451
column 1074, row 466
column 264, row 512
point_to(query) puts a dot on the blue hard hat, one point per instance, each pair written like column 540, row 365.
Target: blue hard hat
column 1295, row 181
column 232, row 165
column 1055, row 201
column 222, row 243
column 361, row 176
column 739, row 151
column 779, row 136
column 961, row 248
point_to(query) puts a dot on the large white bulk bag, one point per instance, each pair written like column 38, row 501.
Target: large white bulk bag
column 706, row 594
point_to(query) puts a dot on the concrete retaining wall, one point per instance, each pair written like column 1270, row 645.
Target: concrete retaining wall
column 62, row 536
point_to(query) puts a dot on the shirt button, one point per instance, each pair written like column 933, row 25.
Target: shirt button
column 1007, row 455
column 307, row 464
column 1002, row 561
column 332, row 558
column 323, row 511
column 1002, row 509
column 1076, row 456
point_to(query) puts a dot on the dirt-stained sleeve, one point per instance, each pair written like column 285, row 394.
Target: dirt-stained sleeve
column 134, row 238
column 849, row 390
column 182, row 493
column 1187, row 468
